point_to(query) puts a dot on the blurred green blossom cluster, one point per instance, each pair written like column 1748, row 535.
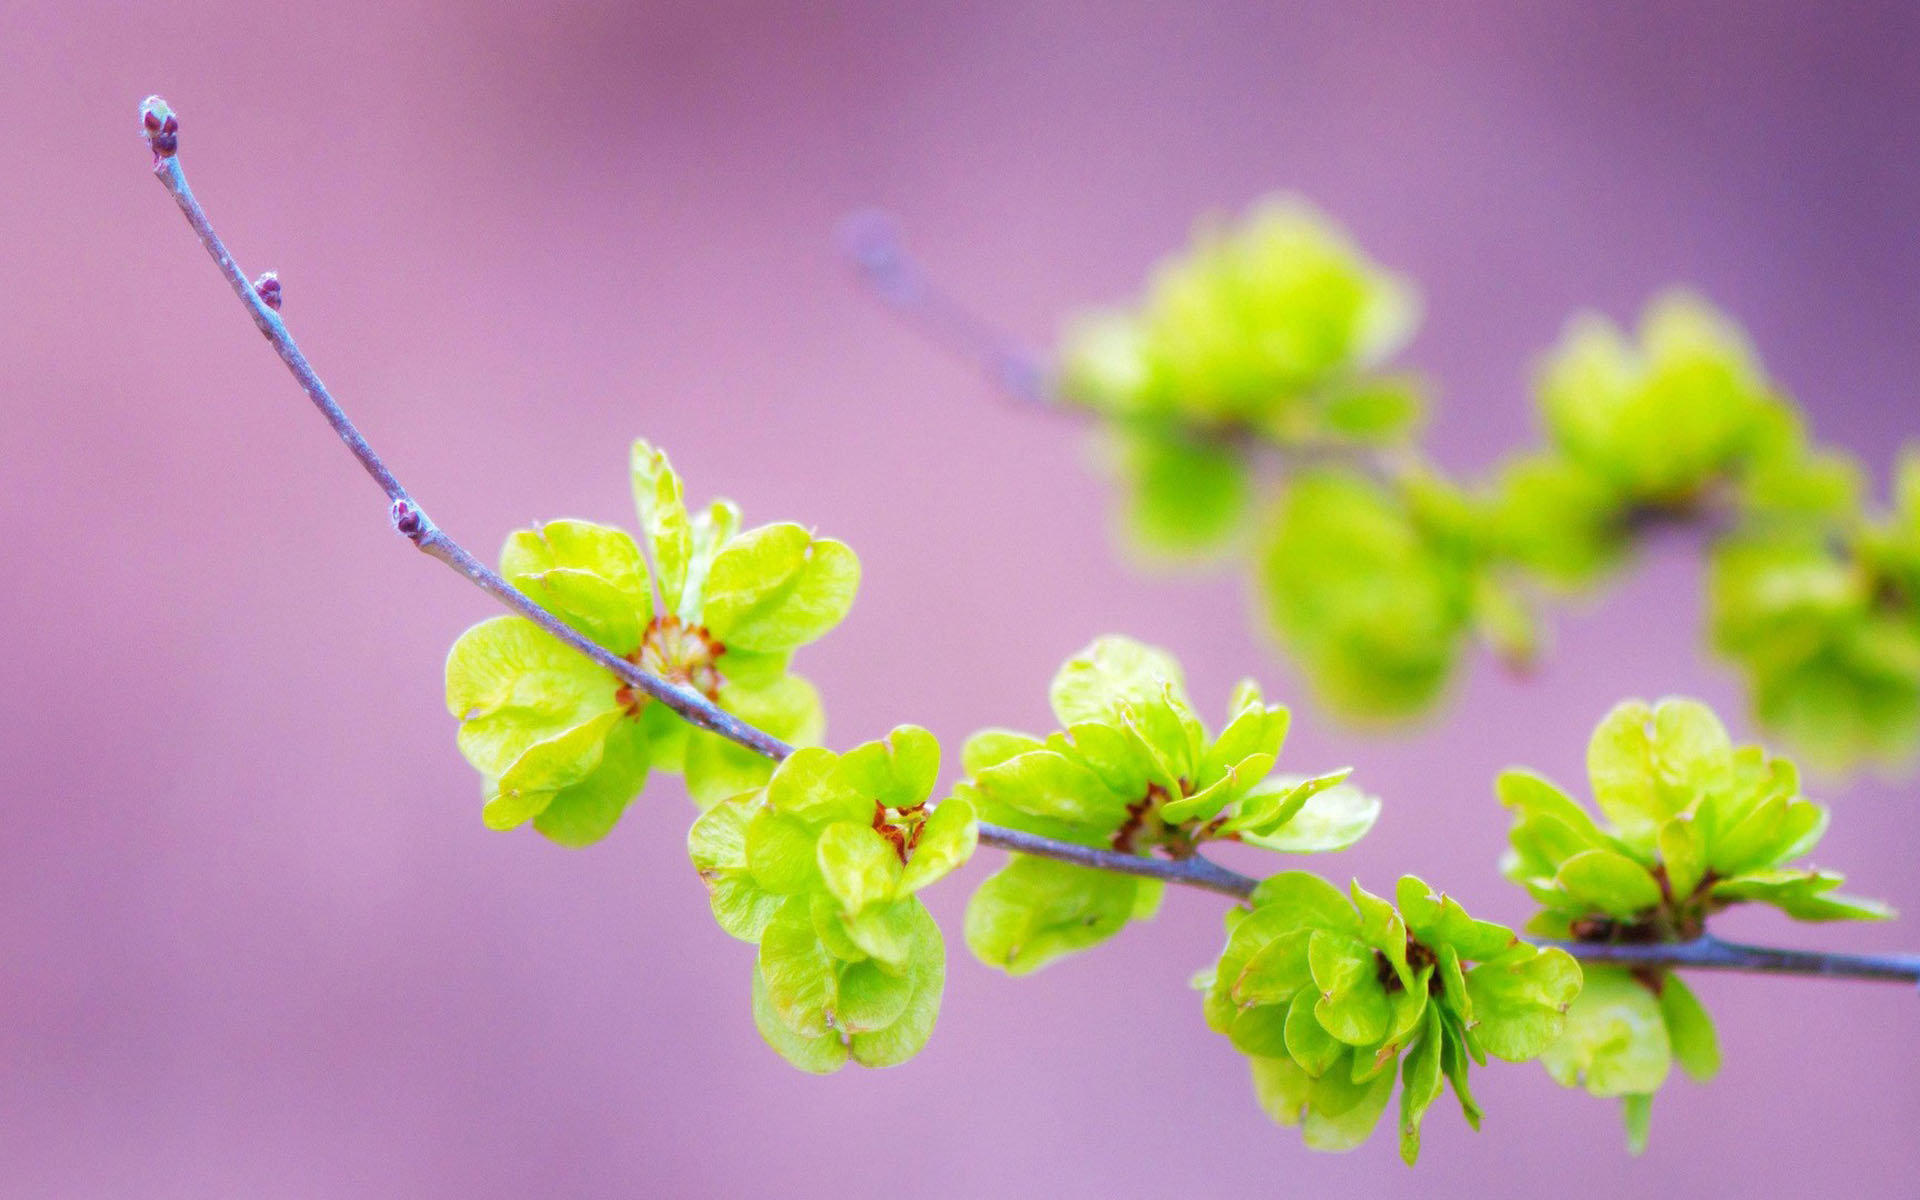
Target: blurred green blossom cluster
column 1692, row 826
column 562, row 742
column 1377, row 572
column 1133, row 769
column 821, row 869
column 1824, row 620
column 1270, row 330
column 1333, row 996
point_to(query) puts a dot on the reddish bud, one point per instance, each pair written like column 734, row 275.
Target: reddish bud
column 160, row 126
column 267, row 287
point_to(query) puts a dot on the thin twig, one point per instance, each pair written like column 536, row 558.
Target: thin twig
column 872, row 243
column 1709, row 953
column 409, row 519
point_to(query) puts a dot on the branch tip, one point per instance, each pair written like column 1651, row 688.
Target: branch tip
column 161, row 127
column 870, row 239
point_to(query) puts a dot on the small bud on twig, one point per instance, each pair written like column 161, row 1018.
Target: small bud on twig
column 161, row 127
column 267, row 287
column 409, row 520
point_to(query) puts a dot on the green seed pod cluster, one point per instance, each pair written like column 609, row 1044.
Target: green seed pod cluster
column 1133, row 769
column 821, row 870
column 564, row 743
column 1333, row 996
column 1692, row 826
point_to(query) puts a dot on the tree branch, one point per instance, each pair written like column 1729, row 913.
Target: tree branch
column 1017, row 368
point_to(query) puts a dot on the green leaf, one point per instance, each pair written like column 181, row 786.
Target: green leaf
column 859, row 866
column 887, row 932
column 820, row 1054
column 513, row 685
column 1034, row 910
column 808, row 785
column 903, row 1037
column 1353, row 1005
column 1621, row 768
column 1615, row 1041
column 947, row 840
column 1307, row 1041
column 1327, row 820
column 801, row 984
column 1519, row 1003
column 1048, row 784
column 1374, row 604
column 1602, row 881
column 525, row 789
column 778, row 586
column 717, row 844
column 1112, row 675
column 663, row 518
column 898, row 771
column 1419, row 1086
column 1637, row 1113
column 991, row 747
column 582, row 813
column 590, row 576
column 1186, row 496
column 781, row 852
column 871, row 997
column 1695, row 1045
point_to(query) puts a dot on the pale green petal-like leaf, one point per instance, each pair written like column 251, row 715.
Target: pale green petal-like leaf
column 1683, row 852
column 663, row 518
column 1045, row 783
column 799, row 973
column 1519, row 1005
column 1035, row 910
column 512, row 685
column 1186, row 497
column 1695, row 1045
column 1111, row 673
column 1615, row 1041
column 1419, row 1086
column 590, row 576
column 1307, row 1041
column 819, row 1055
column 582, row 813
column 808, row 785
column 947, row 840
column 903, row 1037
column 1602, row 881
column 898, row 771
column 530, row 783
column 781, row 852
column 778, row 586
column 860, row 866
column 1260, row 1031
column 991, row 747
column 1620, row 766
column 871, row 997
column 887, row 932
column 1255, row 729
column 1353, row 1005
column 1637, row 1113
column 1328, row 820
column 1276, row 973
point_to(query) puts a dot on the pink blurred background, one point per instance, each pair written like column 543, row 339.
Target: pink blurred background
column 256, row 940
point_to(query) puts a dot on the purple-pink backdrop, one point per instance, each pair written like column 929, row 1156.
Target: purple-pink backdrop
column 255, row 938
